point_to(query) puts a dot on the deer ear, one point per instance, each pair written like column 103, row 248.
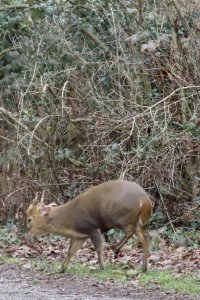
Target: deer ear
column 43, row 210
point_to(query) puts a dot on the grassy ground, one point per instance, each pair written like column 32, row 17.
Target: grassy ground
column 168, row 280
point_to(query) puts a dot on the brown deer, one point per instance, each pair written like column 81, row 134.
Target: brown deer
column 113, row 204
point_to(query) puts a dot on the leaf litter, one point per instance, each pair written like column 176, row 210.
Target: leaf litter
column 163, row 256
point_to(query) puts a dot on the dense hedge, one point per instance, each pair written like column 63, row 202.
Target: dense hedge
column 97, row 90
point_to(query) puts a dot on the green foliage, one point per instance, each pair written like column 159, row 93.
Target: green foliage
column 91, row 93
column 158, row 219
column 115, row 235
column 8, row 235
column 62, row 154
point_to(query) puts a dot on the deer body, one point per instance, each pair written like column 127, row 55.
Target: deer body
column 113, row 204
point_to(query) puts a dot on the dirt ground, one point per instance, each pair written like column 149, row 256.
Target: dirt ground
column 19, row 283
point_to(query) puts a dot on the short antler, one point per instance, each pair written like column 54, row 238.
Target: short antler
column 42, row 198
column 35, row 200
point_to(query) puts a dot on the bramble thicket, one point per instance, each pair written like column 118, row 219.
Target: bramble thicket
column 98, row 90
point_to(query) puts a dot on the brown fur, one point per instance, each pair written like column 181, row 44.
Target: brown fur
column 113, row 204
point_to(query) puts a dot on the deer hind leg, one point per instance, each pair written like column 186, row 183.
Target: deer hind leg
column 96, row 239
column 129, row 231
column 142, row 236
column 75, row 245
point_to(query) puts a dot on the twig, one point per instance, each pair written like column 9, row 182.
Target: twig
column 95, row 40
column 165, row 208
column 179, row 218
column 78, row 120
column 9, row 49
column 13, row 6
column 164, row 99
column 150, row 108
column 180, row 15
column 62, row 96
column 48, row 88
column 52, row 163
column 7, row 113
column 140, row 6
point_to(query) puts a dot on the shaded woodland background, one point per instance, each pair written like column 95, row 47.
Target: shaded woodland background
column 98, row 90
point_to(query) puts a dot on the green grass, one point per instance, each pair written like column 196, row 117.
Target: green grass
column 36, row 281
column 186, row 284
column 110, row 272
column 10, row 260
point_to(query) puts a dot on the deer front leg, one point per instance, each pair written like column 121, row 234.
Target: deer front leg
column 75, row 245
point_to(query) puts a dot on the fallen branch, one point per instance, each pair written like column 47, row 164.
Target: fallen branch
column 13, row 6
column 8, row 49
column 95, row 40
column 76, row 162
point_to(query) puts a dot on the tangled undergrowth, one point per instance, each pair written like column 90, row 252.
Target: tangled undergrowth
column 98, row 90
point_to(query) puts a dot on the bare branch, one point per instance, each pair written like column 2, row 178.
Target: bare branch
column 14, row 6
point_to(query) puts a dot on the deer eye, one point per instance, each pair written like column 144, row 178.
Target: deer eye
column 29, row 220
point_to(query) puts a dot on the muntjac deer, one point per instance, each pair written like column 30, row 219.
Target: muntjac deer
column 113, row 204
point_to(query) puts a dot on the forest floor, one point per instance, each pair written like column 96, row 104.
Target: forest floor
column 29, row 269
column 19, row 283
